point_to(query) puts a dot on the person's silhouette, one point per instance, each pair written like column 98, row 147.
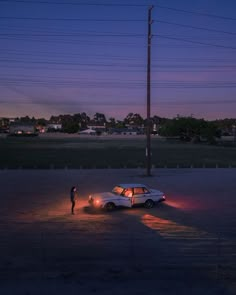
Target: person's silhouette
column 73, row 193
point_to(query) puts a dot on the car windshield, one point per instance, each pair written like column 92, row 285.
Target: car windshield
column 117, row 190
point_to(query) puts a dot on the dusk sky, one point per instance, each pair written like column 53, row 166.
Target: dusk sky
column 68, row 56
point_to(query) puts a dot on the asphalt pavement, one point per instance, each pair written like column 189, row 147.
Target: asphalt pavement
column 187, row 244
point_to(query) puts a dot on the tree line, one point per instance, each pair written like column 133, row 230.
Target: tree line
column 186, row 128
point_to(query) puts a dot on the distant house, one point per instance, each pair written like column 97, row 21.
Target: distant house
column 54, row 127
column 41, row 128
column 22, row 129
column 4, row 125
column 124, row 131
column 98, row 128
column 88, row 132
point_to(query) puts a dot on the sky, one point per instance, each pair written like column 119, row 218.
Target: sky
column 72, row 56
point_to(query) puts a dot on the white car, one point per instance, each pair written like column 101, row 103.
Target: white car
column 127, row 195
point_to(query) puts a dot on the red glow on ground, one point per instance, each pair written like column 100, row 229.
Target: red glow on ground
column 185, row 203
column 60, row 211
column 170, row 229
column 176, row 204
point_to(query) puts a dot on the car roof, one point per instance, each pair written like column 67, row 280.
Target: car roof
column 128, row 185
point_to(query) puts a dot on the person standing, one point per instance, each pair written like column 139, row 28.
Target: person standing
column 73, row 196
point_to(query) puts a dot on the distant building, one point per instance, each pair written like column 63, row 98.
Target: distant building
column 41, row 128
column 88, row 132
column 54, row 127
column 124, row 131
column 98, row 128
column 20, row 128
column 4, row 125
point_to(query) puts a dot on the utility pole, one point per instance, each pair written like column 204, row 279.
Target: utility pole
column 148, row 131
column 234, row 132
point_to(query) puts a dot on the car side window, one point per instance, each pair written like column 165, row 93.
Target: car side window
column 138, row 191
column 128, row 192
column 145, row 190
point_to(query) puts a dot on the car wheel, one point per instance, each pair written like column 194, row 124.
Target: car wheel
column 149, row 204
column 110, row 206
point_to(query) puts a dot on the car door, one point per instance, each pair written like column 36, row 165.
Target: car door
column 139, row 195
column 125, row 201
column 147, row 194
column 125, row 198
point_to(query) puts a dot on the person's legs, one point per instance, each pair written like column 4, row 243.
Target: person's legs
column 72, row 207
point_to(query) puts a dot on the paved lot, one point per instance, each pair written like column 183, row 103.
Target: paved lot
column 186, row 244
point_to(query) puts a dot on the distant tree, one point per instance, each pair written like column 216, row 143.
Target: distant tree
column 190, row 129
column 111, row 123
column 120, row 124
column 99, row 118
column 134, row 119
column 84, row 120
column 25, row 119
column 128, row 118
column 71, row 123
column 225, row 125
column 181, row 126
column 211, row 132
column 70, row 127
column 55, row 119
column 41, row 121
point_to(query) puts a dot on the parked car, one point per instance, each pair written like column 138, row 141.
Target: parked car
column 127, row 195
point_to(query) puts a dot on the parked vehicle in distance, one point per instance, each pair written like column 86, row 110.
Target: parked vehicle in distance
column 127, row 195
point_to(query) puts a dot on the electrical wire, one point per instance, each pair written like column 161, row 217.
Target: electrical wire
column 196, row 42
column 75, row 4
column 69, row 19
column 195, row 12
column 194, row 27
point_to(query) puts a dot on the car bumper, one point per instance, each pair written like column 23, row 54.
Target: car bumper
column 94, row 205
column 163, row 199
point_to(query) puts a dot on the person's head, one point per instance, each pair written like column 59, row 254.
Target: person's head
column 73, row 189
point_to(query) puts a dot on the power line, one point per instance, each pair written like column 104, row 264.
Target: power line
column 119, row 5
column 196, row 12
column 126, row 70
column 113, row 101
column 131, row 34
column 70, row 35
column 85, row 42
column 49, row 54
column 75, row 42
column 194, row 27
column 113, row 64
column 76, row 4
column 86, row 79
column 64, row 33
column 62, row 29
column 195, row 42
column 69, row 19
column 72, row 63
column 114, row 83
column 65, row 36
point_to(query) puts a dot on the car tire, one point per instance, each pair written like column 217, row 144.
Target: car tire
column 110, row 206
column 149, row 204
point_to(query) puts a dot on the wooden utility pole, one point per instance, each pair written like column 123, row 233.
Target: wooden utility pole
column 148, row 129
